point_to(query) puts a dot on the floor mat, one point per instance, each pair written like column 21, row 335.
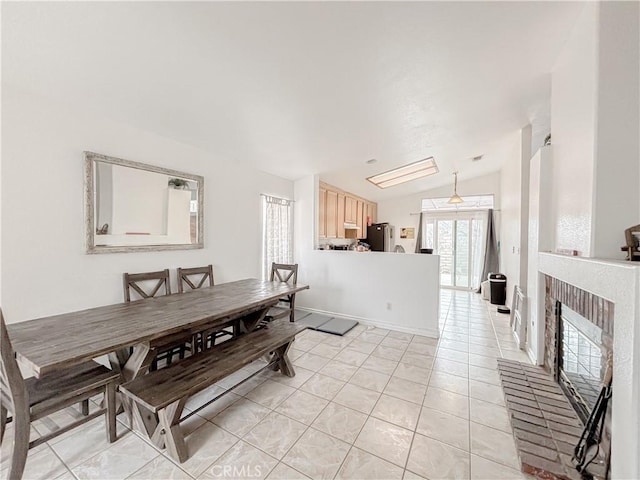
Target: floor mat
column 314, row 320
column 299, row 314
column 337, row 326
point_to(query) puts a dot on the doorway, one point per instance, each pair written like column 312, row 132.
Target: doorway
column 458, row 237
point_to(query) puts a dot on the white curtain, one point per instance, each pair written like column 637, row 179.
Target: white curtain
column 277, row 232
column 478, row 248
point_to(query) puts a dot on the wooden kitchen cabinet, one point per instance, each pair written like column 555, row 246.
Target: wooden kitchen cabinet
column 350, row 209
column 359, row 212
column 332, row 214
column 337, row 207
column 340, row 215
column 322, row 213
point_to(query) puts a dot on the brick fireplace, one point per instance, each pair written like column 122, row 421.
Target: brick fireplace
column 595, row 309
column 578, row 341
column 594, row 288
column 549, row 406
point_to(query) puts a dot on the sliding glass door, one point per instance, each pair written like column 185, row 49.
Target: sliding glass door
column 459, row 240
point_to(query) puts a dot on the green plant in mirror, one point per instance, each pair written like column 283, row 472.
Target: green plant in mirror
column 178, row 183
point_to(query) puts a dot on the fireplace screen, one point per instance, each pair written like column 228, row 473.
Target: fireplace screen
column 580, row 360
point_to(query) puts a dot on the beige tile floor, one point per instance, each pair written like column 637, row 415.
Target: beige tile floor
column 372, row 404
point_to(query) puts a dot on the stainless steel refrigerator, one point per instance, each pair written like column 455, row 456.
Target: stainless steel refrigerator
column 380, row 237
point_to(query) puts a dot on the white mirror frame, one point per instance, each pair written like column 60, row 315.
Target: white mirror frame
column 89, row 206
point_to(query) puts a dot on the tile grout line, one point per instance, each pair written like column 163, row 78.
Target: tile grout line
column 439, row 347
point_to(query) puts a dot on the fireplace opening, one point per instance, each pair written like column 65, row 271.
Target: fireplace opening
column 581, row 360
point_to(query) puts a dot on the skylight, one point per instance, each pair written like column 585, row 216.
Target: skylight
column 470, row 202
column 405, row 173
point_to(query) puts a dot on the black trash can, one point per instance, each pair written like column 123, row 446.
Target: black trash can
column 498, row 283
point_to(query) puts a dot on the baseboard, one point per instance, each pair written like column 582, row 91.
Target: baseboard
column 531, row 356
column 427, row 332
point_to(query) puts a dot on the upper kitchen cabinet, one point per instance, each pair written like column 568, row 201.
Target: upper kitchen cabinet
column 331, row 218
column 361, row 221
column 322, row 213
column 341, row 208
column 350, row 209
column 342, row 214
column 372, row 212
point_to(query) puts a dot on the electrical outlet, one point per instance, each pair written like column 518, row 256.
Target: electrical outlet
column 388, row 305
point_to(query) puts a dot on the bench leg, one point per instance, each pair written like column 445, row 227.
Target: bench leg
column 171, row 432
column 284, row 364
column 142, row 420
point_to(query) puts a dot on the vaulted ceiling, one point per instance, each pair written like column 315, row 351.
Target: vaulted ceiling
column 302, row 88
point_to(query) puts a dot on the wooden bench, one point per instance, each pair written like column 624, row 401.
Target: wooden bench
column 164, row 392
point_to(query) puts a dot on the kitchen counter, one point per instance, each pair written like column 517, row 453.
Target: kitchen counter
column 399, row 291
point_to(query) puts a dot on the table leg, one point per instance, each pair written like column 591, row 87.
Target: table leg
column 130, row 367
column 249, row 322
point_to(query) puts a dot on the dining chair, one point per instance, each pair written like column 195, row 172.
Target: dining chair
column 193, row 279
column 150, row 285
column 33, row 398
column 282, row 272
column 143, row 284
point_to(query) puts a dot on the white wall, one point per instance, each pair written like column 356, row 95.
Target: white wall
column 44, row 266
column 361, row 285
column 525, row 162
column 573, row 121
column 510, row 217
column 540, row 240
column 402, row 211
column 390, row 290
column 617, row 146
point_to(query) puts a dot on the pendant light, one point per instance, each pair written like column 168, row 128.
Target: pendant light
column 455, row 198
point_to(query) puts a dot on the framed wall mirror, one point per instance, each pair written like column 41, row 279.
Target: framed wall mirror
column 131, row 206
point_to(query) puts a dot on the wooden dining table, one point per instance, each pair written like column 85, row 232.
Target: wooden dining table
column 127, row 332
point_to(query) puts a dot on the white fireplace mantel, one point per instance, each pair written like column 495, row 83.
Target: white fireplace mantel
column 618, row 282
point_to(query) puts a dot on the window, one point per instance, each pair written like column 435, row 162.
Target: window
column 471, row 202
column 277, row 232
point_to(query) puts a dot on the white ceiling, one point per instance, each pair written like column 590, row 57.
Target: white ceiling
column 302, row 88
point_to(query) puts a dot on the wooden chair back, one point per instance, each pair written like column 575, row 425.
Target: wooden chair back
column 283, row 272
column 195, row 277
column 138, row 283
column 14, row 390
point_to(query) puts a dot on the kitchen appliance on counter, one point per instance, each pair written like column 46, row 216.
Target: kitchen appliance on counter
column 380, row 237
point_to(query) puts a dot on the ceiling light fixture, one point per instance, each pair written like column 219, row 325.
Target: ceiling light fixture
column 405, row 173
column 455, row 198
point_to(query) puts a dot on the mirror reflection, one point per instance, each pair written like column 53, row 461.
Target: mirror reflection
column 136, row 206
